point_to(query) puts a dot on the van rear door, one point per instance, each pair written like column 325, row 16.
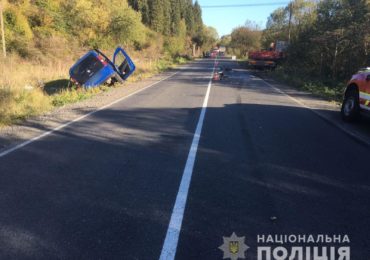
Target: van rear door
column 123, row 63
column 86, row 68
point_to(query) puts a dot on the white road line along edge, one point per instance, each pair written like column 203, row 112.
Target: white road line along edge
column 8, row 151
column 173, row 231
column 321, row 115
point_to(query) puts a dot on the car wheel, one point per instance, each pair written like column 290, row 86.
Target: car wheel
column 351, row 106
column 116, row 78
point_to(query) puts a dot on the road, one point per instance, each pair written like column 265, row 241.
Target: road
column 105, row 187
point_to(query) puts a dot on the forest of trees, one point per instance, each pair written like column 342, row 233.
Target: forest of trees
column 329, row 39
column 45, row 37
column 165, row 16
column 35, row 27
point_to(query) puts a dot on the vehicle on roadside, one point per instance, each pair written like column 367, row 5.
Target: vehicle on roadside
column 222, row 50
column 94, row 68
column 214, row 54
column 356, row 98
column 268, row 59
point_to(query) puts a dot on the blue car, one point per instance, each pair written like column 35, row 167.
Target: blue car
column 94, row 68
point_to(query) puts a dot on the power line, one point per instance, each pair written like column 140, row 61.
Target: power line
column 244, row 5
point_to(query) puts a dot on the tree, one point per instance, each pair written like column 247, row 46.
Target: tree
column 2, row 29
column 126, row 27
column 245, row 38
column 285, row 23
column 142, row 7
column 175, row 17
column 198, row 23
column 156, row 15
column 189, row 17
column 167, row 19
column 225, row 40
column 329, row 38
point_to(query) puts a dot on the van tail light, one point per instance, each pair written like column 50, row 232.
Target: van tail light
column 74, row 81
column 102, row 60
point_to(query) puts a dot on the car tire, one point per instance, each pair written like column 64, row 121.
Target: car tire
column 350, row 110
column 116, row 78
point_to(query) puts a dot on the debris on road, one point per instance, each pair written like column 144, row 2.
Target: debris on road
column 216, row 76
column 273, row 218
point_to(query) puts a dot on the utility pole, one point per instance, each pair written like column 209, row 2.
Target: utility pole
column 290, row 20
column 2, row 29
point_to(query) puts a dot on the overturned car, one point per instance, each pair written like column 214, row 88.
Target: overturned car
column 94, row 68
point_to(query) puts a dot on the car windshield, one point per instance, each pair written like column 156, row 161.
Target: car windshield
column 84, row 70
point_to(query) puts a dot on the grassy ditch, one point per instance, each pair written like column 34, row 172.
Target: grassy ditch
column 328, row 89
column 29, row 88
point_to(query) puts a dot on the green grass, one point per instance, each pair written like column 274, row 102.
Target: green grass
column 76, row 94
column 329, row 90
column 324, row 88
column 181, row 60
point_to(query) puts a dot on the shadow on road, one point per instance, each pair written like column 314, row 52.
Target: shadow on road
column 105, row 186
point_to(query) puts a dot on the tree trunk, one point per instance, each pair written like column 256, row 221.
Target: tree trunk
column 2, row 30
column 335, row 60
column 290, row 20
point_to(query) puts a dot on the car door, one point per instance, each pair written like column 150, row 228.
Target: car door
column 123, row 63
column 366, row 86
column 362, row 80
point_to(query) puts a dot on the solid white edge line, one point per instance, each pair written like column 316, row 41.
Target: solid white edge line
column 173, row 231
column 8, row 151
column 322, row 116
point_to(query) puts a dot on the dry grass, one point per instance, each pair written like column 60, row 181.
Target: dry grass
column 22, row 87
column 18, row 73
column 30, row 88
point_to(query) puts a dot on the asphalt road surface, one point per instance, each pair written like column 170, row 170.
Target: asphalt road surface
column 105, row 187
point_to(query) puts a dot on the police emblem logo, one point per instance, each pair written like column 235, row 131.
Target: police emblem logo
column 234, row 247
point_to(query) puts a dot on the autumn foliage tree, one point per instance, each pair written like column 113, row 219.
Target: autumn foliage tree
column 34, row 27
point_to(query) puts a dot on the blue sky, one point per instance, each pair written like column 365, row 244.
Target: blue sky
column 225, row 19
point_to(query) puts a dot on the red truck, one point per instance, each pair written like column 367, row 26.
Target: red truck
column 268, row 59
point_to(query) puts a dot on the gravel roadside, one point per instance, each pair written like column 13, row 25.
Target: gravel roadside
column 13, row 135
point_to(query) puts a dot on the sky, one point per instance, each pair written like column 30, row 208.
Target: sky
column 225, row 19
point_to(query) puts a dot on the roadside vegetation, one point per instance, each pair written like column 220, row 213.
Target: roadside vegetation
column 329, row 40
column 45, row 37
column 243, row 39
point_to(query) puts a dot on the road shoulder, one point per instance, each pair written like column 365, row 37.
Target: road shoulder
column 32, row 127
column 326, row 110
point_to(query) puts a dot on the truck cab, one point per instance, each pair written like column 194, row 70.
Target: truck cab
column 268, row 59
